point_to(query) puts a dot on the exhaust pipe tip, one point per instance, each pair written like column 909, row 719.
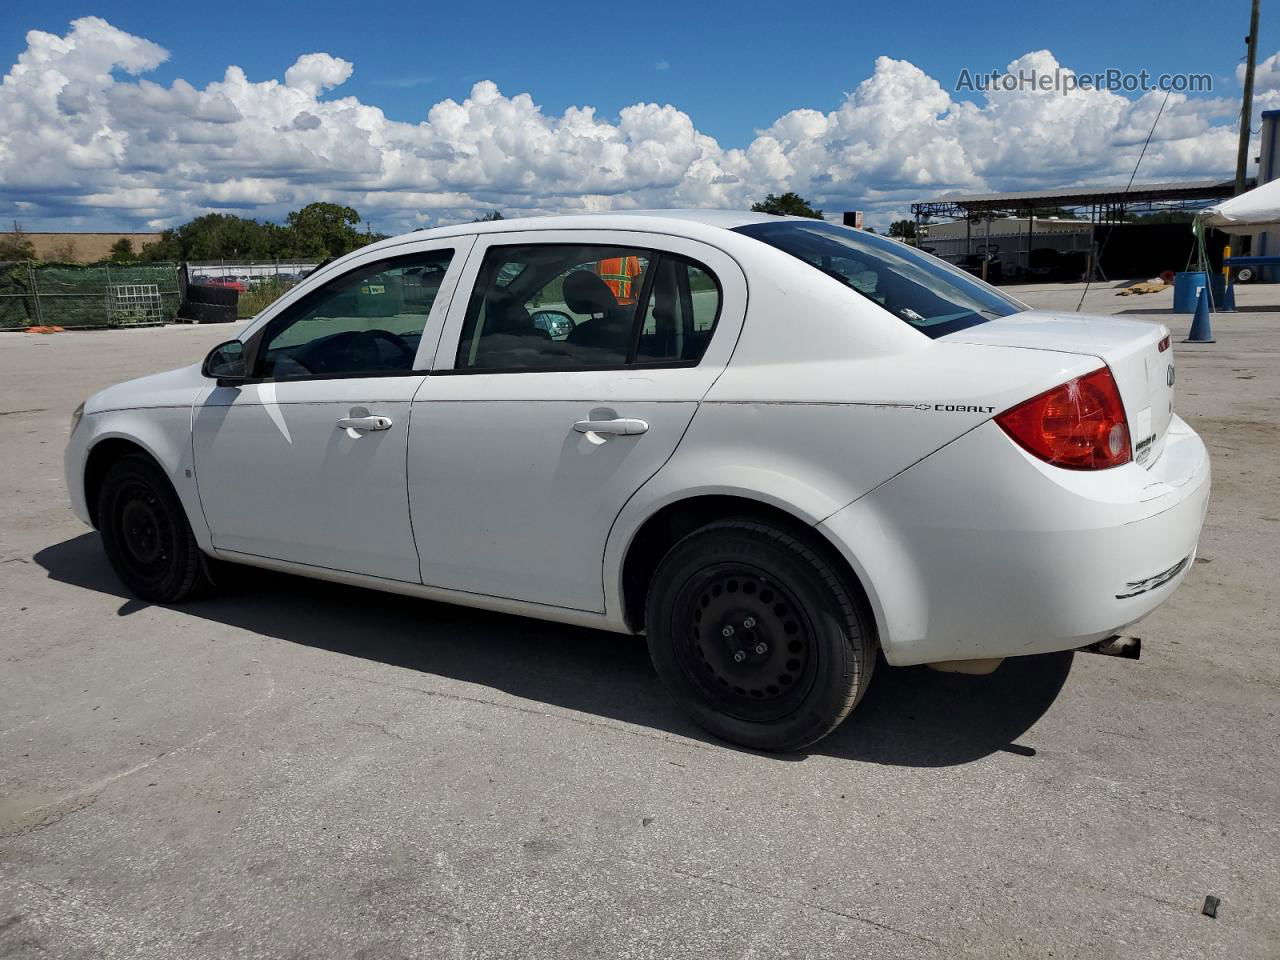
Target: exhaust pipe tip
column 1126, row 648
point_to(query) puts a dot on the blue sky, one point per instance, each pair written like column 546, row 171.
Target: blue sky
column 732, row 68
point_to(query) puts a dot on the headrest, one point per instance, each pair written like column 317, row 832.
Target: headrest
column 586, row 293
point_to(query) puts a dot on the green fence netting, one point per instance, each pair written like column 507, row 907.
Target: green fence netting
column 95, row 295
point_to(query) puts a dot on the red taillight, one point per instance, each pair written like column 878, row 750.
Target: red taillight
column 1079, row 425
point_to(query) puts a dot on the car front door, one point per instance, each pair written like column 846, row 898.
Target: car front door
column 570, row 366
column 305, row 462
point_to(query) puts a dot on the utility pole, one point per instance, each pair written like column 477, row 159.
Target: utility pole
column 1246, row 108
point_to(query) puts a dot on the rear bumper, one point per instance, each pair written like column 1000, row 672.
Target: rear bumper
column 981, row 550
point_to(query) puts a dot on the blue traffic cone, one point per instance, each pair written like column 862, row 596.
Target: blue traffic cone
column 1201, row 330
column 1228, row 304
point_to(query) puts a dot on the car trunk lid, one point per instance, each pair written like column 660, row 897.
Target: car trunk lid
column 1138, row 354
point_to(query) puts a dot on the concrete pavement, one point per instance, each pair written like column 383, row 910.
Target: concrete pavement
column 294, row 769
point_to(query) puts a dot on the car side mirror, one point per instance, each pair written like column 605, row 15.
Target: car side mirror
column 556, row 322
column 226, row 364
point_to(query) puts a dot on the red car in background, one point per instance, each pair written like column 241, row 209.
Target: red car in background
column 229, row 283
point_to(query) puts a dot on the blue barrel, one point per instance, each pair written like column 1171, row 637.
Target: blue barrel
column 1186, row 290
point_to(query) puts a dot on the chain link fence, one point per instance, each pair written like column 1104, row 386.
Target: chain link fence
column 261, row 281
column 97, row 295
column 285, row 271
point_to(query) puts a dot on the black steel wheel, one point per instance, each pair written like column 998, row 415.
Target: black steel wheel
column 757, row 637
column 751, row 645
column 146, row 534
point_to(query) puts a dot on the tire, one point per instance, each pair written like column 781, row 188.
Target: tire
column 801, row 650
column 207, row 293
column 199, row 312
column 146, row 534
column 1244, row 275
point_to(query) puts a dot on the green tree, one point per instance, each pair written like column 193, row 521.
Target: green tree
column 16, row 245
column 317, row 231
column 325, row 230
column 122, row 251
column 214, row 236
column 788, row 205
column 489, row 217
column 903, row 228
column 166, row 248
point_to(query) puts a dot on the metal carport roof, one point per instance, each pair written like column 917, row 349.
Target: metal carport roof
column 1108, row 200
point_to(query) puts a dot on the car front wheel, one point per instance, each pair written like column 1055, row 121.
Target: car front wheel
column 146, row 534
column 757, row 637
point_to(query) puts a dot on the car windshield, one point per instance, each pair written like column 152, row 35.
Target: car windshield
column 922, row 291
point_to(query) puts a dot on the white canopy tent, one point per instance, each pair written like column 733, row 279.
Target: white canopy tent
column 1250, row 213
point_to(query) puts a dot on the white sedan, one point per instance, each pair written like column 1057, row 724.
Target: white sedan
column 775, row 446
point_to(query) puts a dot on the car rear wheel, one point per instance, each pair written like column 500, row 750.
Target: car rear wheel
column 757, row 637
column 146, row 534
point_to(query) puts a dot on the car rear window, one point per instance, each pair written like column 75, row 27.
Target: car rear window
column 922, row 291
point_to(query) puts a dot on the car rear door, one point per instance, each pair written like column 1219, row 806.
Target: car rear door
column 305, row 463
column 523, row 448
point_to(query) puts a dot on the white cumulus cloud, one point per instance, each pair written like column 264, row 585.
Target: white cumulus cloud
column 316, row 72
column 86, row 141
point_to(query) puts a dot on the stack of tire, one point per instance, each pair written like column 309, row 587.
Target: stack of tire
column 207, row 303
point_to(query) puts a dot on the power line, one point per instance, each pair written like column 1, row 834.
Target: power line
column 1101, row 250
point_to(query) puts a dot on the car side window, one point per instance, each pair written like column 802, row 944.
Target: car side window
column 586, row 306
column 367, row 321
column 681, row 311
column 552, row 306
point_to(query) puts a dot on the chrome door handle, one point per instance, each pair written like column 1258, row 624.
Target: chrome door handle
column 621, row 427
column 353, row 424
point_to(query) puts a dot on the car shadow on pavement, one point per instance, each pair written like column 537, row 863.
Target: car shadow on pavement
column 909, row 717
